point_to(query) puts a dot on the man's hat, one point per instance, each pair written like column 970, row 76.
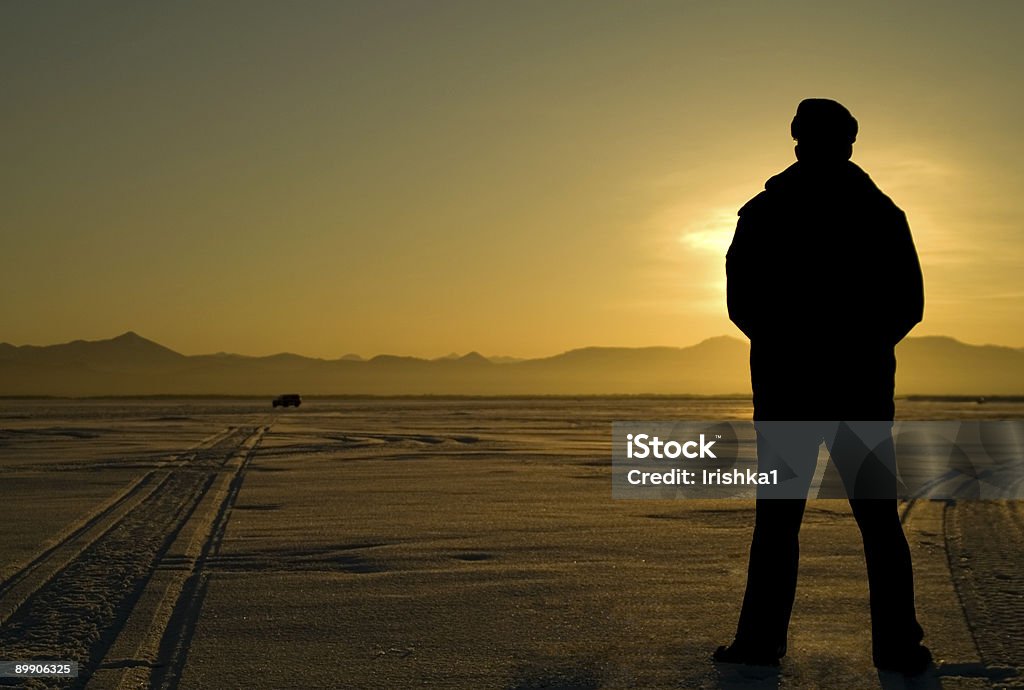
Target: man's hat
column 823, row 120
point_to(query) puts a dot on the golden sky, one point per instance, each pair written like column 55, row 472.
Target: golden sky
column 515, row 178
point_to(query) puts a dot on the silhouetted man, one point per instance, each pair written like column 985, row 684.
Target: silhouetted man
column 824, row 279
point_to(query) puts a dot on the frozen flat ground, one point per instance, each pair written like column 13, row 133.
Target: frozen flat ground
column 470, row 543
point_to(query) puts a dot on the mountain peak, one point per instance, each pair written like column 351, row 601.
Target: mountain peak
column 130, row 336
column 135, row 341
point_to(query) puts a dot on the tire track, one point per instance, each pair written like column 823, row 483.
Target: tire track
column 103, row 566
column 984, row 543
column 78, row 537
column 177, row 637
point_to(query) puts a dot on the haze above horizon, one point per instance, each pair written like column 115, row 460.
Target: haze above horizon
column 521, row 179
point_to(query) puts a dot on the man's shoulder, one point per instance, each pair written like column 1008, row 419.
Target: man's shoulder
column 794, row 188
column 774, row 190
column 755, row 206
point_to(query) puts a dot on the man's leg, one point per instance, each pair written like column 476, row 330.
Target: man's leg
column 775, row 547
column 895, row 633
column 865, row 457
column 771, row 576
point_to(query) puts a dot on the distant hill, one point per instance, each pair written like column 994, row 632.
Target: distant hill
column 132, row 365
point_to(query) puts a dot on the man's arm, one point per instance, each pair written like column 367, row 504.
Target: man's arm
column 741, row 281
column 907, row 300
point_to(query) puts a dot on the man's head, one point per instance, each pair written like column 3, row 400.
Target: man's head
column 824, row 131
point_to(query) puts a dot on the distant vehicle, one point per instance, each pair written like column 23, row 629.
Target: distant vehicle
column 288, row 400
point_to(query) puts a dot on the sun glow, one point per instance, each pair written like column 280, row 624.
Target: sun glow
column 711, row 234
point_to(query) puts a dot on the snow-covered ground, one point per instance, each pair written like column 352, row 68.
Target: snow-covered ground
column 445, row 542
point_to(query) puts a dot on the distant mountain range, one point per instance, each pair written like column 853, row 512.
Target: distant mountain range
column 132, row 365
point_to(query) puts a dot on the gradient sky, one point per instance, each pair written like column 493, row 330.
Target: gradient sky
column 515, row 178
